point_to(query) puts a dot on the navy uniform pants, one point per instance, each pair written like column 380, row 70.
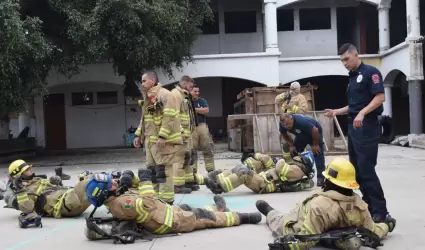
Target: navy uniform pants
column 363, row 153
column 300, row 142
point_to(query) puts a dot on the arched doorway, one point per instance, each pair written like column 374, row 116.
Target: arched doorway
column 400, row 101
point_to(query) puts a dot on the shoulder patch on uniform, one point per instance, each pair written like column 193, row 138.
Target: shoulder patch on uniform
column 376, row 79
column 127, row 204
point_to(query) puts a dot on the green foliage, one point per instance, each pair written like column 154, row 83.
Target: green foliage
column 66, row 34
column 24, row 57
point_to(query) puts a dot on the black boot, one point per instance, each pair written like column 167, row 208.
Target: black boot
column 206, row 182
column 263, row 207
column 193, row 186
column 249, row 218
column 182, row 190
column 63, row 176
column 214, row 187
column 213, row 175
column 185, row 207
column 220, row 202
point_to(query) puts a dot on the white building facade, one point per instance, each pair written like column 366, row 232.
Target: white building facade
column 262, row 41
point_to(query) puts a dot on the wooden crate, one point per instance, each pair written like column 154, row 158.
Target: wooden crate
column 260, row 100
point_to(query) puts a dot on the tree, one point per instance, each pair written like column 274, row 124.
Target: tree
column 41, row 35
column 24, row 58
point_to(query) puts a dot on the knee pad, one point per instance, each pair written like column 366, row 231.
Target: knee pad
column 187, row 155
column 145, row 174
column 244, row 171
column 55, row 180
column 160, row 173
column 29, row 220
column 201, row 213
column 193, row 156
column 153, row 174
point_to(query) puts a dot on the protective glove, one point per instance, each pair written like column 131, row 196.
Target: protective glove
column 145, row 174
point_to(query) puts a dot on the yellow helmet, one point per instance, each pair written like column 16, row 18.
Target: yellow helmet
column 341, row 173
column 18, row 167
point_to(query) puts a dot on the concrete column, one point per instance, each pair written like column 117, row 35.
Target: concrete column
column 221, row 28
column 415, row 106
column 270, row 16
column 416, row 75
column 23, row 121
column 384, row 27
column 413, row 19
column 388, row 104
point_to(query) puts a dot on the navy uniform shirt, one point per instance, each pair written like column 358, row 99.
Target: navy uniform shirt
column 201, row 103
column 364, row 83
column 303, row 126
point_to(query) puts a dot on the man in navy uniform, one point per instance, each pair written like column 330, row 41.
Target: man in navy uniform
column 365, row 95
column 307, row 131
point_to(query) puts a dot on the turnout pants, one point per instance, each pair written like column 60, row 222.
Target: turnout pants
column 363, row 154
column 183, row 173
column 202, row 218
column 74, row 202
column 202, row 141
column 168, row 156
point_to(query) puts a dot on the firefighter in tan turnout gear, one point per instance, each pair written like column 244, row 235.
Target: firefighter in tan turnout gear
column 36, row 197
column 202, row 140
column 153, row 214
column 293, row 101
column 336, row 207
column 161, row 131
column 258, row 162
column 184, row 178
column 289, row 175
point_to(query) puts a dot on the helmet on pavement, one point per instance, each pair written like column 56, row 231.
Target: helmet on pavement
column 18, row 167
column 341, row 173
column 97, row 189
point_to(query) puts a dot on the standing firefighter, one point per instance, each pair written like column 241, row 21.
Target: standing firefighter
column 337, row 207
column 162, row 134
column 184, row 179
column 293, row 101
column 155, row 215
column 201, row 136
column 36, row 197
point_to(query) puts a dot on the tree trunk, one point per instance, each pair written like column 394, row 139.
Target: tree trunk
column 4, row 130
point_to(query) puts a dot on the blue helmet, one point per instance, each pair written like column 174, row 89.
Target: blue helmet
column 97, row 189
column 307, row 158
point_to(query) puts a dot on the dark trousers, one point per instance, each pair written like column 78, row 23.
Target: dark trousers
column 301, row 142
column 363, row 153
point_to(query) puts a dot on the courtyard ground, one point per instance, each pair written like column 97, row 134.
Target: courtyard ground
column 402, row 172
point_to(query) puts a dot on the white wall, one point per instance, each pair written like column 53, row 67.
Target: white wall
column 211, row 89
column 299, row 43
column 396, row 58
column 91, row 125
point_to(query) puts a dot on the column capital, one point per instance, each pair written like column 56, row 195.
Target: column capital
column 270, row 1
column 384, row 7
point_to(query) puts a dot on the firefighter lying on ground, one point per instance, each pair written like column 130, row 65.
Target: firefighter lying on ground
column 258, row 162
column 36, row 197
column 155, row 215
column 289, row 175
column 6, row 188
column 336, row 207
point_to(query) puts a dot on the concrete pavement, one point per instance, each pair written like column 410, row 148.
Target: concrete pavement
column 402, row 172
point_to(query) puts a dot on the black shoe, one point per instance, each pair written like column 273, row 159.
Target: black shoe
column 64, row 177
column 214, row 187
column 220, row 202
column 182, row 190
column 249, row 218
column 320, row 182
column 263, row 207
column 192, row 186
column 206, row 182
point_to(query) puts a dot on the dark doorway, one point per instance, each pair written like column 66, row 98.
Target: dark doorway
column 54, row 122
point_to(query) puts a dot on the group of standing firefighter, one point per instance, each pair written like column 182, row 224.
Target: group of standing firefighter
column 173, row 128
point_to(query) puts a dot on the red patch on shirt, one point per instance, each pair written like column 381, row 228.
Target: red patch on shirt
column 153, row 99
column 376, row 79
